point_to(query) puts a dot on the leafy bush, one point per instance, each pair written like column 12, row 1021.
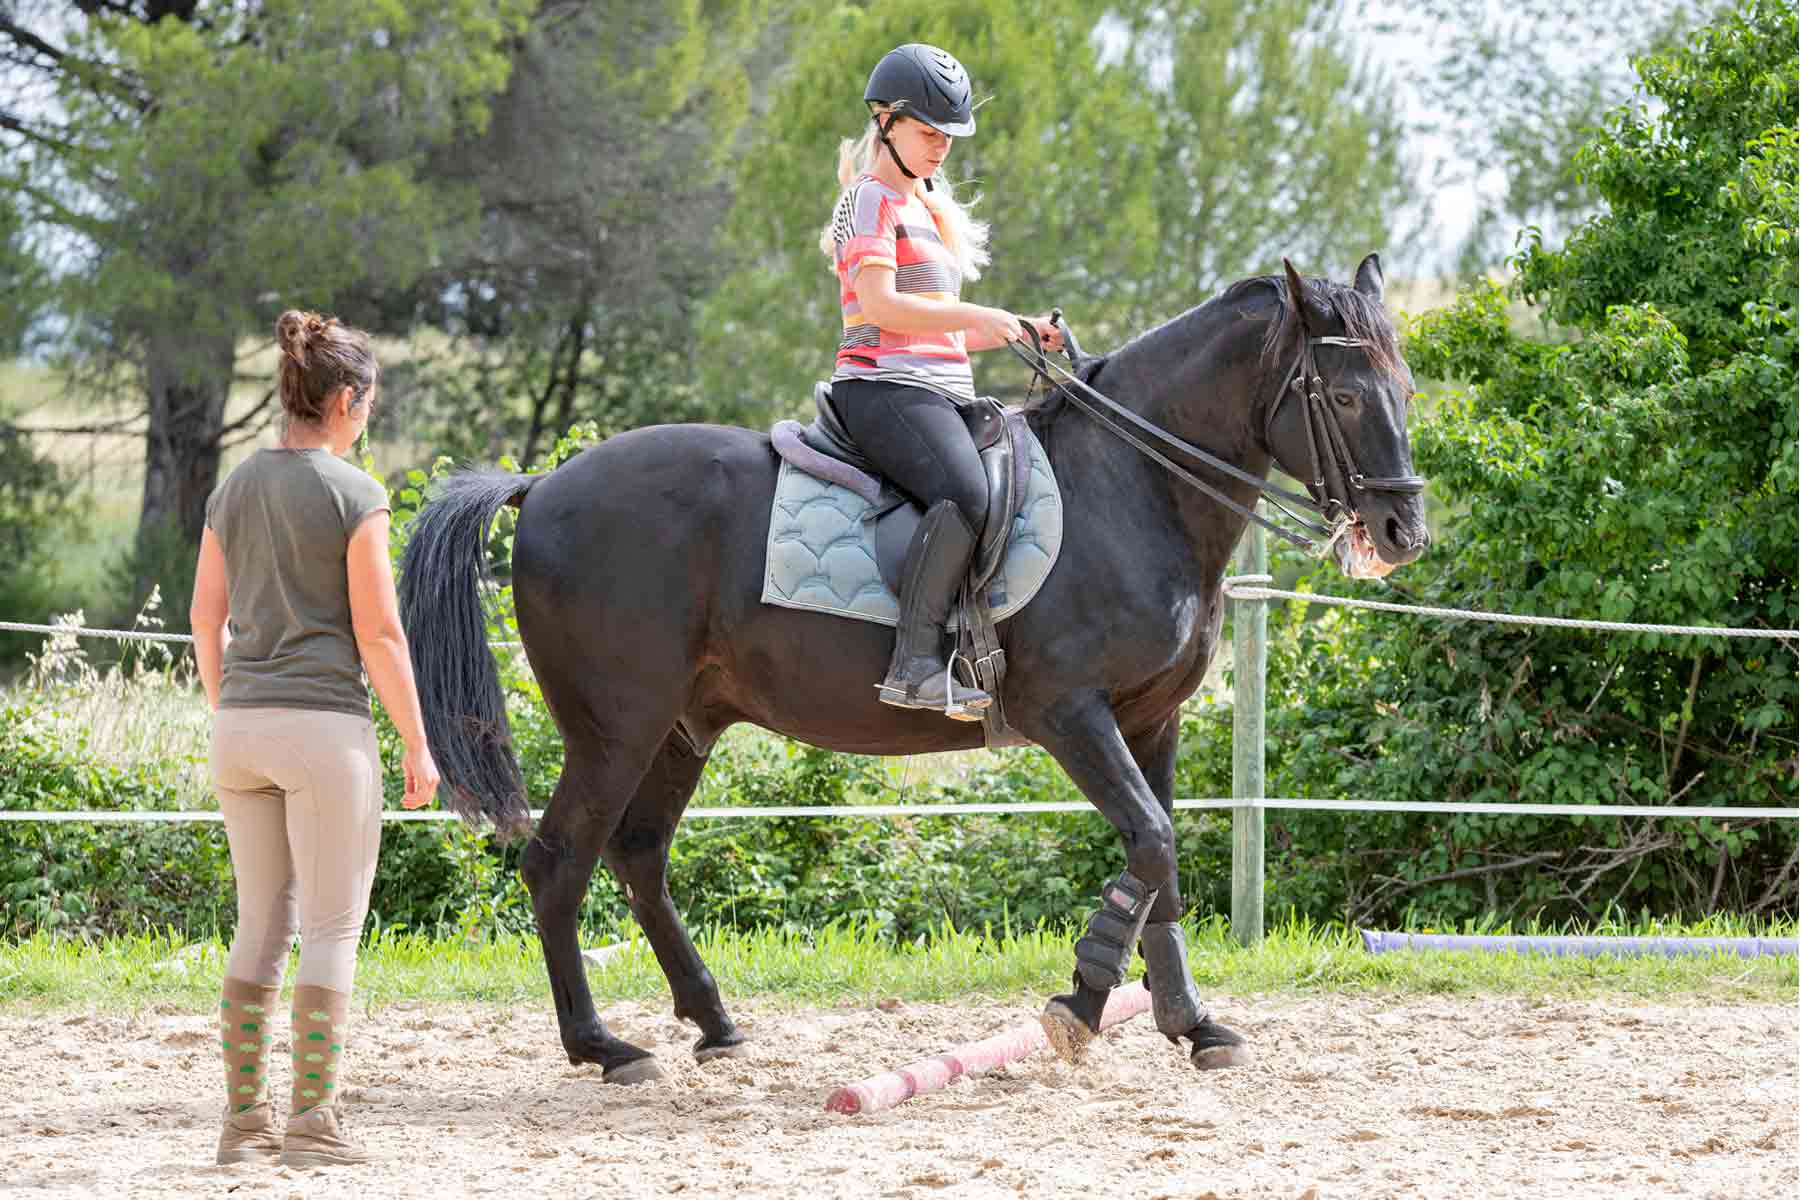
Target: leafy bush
column 1637, row 465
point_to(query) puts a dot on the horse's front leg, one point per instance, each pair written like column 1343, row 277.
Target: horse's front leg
column 1174, row 998
column 1083, row 736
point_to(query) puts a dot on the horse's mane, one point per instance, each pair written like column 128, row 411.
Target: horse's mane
column 1362, row 315
column 1363, row 318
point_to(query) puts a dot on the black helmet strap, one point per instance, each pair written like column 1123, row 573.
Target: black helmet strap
column 881, row 134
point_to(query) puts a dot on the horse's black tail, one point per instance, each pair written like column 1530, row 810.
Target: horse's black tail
column 446, row 628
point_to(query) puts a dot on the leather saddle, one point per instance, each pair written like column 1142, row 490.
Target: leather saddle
column 998, row 437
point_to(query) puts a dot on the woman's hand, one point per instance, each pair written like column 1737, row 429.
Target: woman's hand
column 1047, row 330
column 991, row 328
column 421, row 778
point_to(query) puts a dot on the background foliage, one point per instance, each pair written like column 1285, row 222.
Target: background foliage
column 1625, row 451
column 1634, row 463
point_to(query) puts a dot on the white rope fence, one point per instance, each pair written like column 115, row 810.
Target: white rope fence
column 1242, row 587
column 1237, row 587
column 101, row 816
column 133, row 635
column 117, row 635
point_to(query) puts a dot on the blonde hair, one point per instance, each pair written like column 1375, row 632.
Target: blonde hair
column 964, row 236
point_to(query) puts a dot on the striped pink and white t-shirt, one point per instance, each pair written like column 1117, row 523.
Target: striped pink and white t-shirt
column 875, row 224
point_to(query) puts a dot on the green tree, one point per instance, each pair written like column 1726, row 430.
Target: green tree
column 1636, row 463
column 211, row 163
column 1132, row 158
column 601, row 190
column 38, row 512
column 22, row 282
column 1517, row 90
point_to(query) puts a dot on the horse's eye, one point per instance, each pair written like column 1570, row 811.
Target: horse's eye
column 1344, row 398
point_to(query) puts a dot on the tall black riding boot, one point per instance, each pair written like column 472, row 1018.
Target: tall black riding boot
column 936, row 562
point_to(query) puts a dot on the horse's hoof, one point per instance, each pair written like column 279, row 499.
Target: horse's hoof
column 1068, row 1034
column 1218, row 1058
column 638, row 1070
column 707, row 1053
column 1217, row 1048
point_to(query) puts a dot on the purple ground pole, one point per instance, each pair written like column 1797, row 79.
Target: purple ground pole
column 1376, row 942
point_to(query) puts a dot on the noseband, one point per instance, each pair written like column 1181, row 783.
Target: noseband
column 1119, row 420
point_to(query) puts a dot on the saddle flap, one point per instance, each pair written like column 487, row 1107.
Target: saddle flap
column 986, row 421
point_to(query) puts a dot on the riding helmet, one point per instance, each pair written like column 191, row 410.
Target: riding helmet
column 926, row 83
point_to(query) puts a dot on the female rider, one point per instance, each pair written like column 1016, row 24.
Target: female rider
column 902, row 247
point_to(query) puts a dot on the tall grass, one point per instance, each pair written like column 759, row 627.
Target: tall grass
column 143, row 713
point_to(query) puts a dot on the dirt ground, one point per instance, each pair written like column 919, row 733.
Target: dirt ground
column 1440, row 1097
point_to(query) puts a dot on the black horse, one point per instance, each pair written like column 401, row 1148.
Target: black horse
column 637, row 576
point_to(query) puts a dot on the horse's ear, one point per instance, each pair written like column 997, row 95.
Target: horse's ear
column 1369, row 280
column 1311, row 320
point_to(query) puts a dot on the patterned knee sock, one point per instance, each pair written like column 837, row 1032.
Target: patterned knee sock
column 244, row 1013
column 321, row 1019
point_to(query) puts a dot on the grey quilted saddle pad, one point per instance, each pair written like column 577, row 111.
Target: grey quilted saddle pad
column 821, row 554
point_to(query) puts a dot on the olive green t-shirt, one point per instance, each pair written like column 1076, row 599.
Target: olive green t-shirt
column 283, row 519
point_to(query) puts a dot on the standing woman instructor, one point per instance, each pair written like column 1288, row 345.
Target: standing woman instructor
column 295, row 557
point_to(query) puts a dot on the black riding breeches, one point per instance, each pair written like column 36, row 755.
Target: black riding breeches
column 918, row 441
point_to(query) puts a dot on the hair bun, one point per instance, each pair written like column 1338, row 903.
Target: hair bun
column 296, row 330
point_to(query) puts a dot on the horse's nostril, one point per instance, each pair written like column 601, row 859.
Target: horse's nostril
column 1393, row 534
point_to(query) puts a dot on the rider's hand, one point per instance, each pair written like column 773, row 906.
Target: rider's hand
column 1050, row 332
column 421, row 778
column 993, row 327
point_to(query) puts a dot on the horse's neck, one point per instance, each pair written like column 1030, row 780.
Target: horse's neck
column 1195, row 377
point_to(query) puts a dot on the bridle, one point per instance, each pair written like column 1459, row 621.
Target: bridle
column 1305, row 380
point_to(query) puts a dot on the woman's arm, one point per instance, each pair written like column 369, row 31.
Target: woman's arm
column 902, row 313
column 207, row 615
column 375, row 616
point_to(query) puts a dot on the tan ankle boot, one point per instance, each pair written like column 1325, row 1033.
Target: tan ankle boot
column 249, row 1136
column 315, row 1138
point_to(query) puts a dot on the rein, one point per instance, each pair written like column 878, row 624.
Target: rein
column 1337, row 515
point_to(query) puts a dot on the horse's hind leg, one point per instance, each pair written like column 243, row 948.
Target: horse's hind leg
column 638, row 853
column 558, row 865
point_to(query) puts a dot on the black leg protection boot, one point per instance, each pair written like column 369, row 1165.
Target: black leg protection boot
column 936, row 562
column 1175, row 1001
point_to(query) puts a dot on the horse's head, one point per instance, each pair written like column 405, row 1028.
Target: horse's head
column 1338, row 424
